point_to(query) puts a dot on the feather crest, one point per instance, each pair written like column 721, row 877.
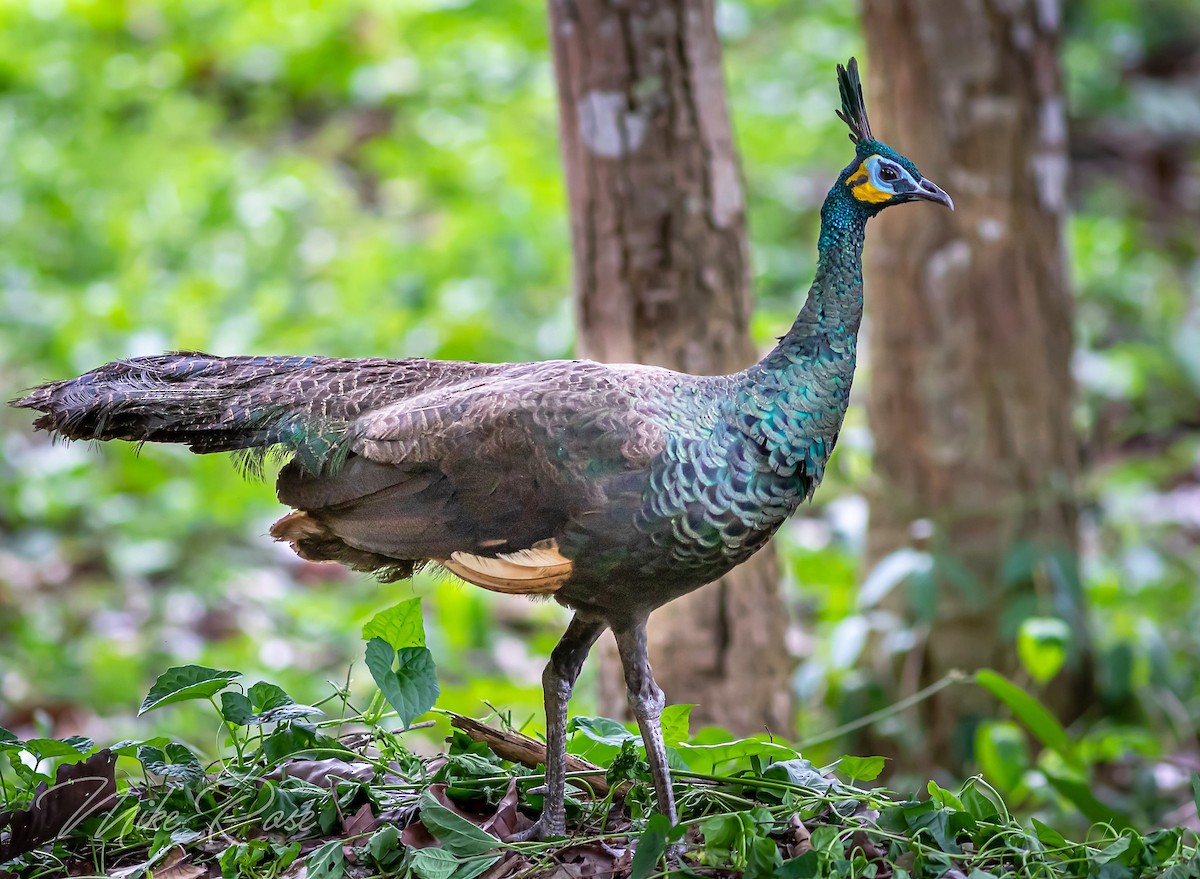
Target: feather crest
column 854, row 107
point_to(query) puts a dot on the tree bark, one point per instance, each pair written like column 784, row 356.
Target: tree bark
column 661, row 277
column 970, row 337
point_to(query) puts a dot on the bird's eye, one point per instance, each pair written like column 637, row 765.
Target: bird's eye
column 888, row 174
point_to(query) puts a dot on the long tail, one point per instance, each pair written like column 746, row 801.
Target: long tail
column 212, row 404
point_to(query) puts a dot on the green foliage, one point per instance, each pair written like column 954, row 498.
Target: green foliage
column 184, row 684
column 1031, row 712
column 1042, row 644
column 400, row 626
column 407, row 678
column 377, row 807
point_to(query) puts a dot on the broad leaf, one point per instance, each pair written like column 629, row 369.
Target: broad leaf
column 434, row 863
column 411, row 688
column 327, row 861
column 1002, row 750
column 129, row 747
column 173, row 761
column 1031, row 712
column 74, row 746
column 728, row 756
column 236, row 707
column 800, row 772
column 456, row 833
column 1085, row 801
column 265, row 697
column 185, row 683
column 602, row 730
column 676, row 720
column 1042, row 645
column 385, row 846
column 400, row 625
column 651, row 846
column 861, row 768
column 469, row 868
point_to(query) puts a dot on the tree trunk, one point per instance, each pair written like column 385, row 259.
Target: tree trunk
column 970, row 338
column 661, row 277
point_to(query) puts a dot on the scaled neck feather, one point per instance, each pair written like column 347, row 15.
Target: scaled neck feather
column 792, row 401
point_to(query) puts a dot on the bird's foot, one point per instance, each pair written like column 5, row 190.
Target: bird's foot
column 541, row 829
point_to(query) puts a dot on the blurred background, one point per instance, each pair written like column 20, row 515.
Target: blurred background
column 383, row 178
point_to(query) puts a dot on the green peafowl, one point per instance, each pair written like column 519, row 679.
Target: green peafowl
column 612, row 488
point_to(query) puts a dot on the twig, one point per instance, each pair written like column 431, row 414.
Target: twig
column 953, row 677
column 519, row 748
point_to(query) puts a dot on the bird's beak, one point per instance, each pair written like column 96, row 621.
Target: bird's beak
column 930, row 191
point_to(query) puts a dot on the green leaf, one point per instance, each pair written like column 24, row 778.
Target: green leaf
column 762, row 858
column 400, row 625
column 652, row 845
column 824, row 840
column 978, row 804
column 236, row 707
column 943, row 798
column 603, row 730
column 73, row 746
column 265, row 697
column 174, row 761
column 1003, row 753
column 676, row 720
column 1084, row 800
column 799, row 771
column 1196, row 792
column 384, row 845
column 1042, row 646
column 328, row 861
column 184, row 683
column 861, row 768
column 284, row 712
column 129, row 747
column 456, row 833
column 722, row 832
column 1049, row 837
column 711, row 758
column 261, row 704
column 1031, row 712
column 6, row 737
column 472, row 867
column 292, row 738
column 412, row 687
column 434, row 863
column 805, row 866
column 937, row 822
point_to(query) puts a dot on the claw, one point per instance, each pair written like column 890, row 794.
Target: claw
column 539, row 831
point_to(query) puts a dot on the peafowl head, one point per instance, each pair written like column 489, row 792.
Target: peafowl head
column 879, row 176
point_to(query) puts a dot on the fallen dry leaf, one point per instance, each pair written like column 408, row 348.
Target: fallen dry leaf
column 80, row 790
column 323, row 773
column 508, row 819
column 360, row 823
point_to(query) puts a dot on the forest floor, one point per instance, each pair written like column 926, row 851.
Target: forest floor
column 303, row 793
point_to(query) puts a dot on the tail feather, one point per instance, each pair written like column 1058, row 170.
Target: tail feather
column 211, row 404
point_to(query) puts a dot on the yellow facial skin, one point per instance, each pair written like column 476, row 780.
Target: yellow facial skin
column 863, row 189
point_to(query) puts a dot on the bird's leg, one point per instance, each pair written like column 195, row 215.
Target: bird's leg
column 647, row 700
column 558, row 680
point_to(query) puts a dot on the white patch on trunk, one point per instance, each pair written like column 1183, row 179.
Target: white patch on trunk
column 1049, row 15
column 991, row 229
column 607, row 127
column 1052, row 120
column 1050, row 175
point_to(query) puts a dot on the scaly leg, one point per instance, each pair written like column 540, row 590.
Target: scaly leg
column 646, row 700
column 557, row 682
